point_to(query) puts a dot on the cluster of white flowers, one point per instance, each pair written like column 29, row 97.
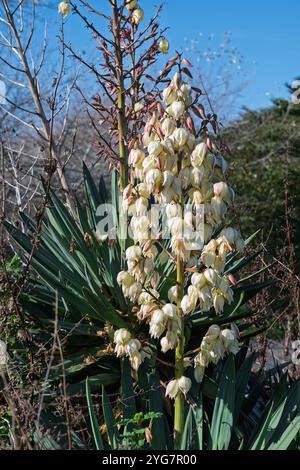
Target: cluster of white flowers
column 208, row 289
column 170, row 166
column 215, row 344
column 165, row 319
column 175, row 386
column 130, row 347
column 215, row 252
column 140, row 263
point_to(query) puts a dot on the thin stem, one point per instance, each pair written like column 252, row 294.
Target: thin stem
column 122, row 124
column 179, row 358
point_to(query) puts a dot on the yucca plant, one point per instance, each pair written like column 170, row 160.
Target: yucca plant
column 72, row 264
column 103, row 314
column 110, row 299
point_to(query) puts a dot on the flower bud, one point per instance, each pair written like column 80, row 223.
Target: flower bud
column 137, row 15
column 169, row 94
column 180, row 137
column 64, row 8
column 124, row 278
column 156, row 329
column 223, row 191
column 184, row 384
column 173, row 294
column 185, row 93
column 176, row 109
column 131, row 4
column 187, row 304
column 136, row 157
column 122, row 336
column 171, row 338
column 149, row 163
column 173, row 210
column 170, row 310
column 193, row 294
column 210, row 276
column 208, row 256
column 158, row 316
column 141, row 205
column 168, row 127
column 133, row 253
column 172, row 389
column 132, row 346
column 198, row 280
column 135, row 360
column 218, row 209
column 230, row 235
column 168, row 179
column 213, row 331
column 165, row 345
column 155, row 149
column 199, row 154
column 202, row 359
column 154, row 179
column 164, row 46
column 177, row 80
column 230, row 341
column 127, row 191
column 147, row 138
column 218, row 300
column 145, row 297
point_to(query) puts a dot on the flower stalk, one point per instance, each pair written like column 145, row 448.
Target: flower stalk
column 179, row 351
column 179, row 358
column 170, row 164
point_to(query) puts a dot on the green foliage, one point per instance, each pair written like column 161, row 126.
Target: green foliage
column 71, row 262
column 265, row 160
column 10, row 321
column 5, row 428
column 13, row 266
column 135, row 430
column 247, row 412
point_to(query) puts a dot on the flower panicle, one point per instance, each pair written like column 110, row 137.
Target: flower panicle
column 169, row 164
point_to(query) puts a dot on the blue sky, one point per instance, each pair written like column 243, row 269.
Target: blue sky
column 266, row 33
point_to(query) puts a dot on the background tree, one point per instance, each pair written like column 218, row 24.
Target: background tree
column 265, row 162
